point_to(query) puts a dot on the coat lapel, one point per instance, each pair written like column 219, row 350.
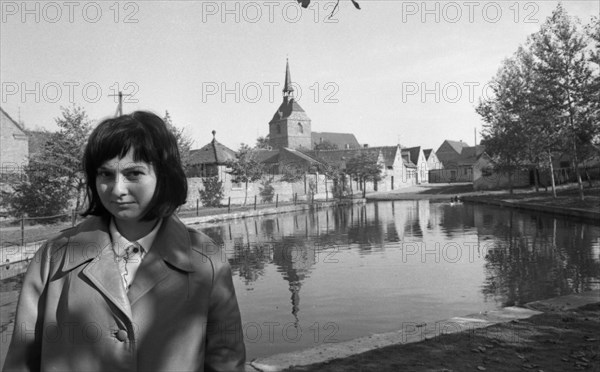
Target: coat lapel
column 91, row 242
column 104, row 273
column 172, row 245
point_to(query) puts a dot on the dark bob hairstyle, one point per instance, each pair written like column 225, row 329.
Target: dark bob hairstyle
column 153, row 143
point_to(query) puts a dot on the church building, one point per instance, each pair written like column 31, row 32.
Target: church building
column 290, row 126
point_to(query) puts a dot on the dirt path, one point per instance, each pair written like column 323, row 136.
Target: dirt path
column 557, row 340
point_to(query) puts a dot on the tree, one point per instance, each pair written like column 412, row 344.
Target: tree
column 245, row 168
column 567, row 82
column 184, row 142
column 212, row 194
column 55, row 175
column 306, row 3
column 365, row 167
column 325, row 145
column 505, row 119
column 263, row 143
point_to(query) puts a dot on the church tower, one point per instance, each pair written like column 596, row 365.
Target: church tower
column 290, row 126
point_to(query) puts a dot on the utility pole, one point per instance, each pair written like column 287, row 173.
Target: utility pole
column 120, row 106
column 475, row 135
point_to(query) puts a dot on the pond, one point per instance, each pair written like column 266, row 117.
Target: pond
column 329, row 275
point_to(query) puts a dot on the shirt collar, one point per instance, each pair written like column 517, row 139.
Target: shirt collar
column 120, row 242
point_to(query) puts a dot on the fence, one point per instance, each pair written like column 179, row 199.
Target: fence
column 14, row 231
column 20, row 231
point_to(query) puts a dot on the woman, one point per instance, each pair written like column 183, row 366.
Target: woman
column 131, row 288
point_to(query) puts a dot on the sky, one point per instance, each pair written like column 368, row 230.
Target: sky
column 408, row 72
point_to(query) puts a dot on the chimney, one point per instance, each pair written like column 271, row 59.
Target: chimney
column 366, row 145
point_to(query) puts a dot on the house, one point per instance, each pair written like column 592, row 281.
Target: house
column 295, row 168
column 432, row 160
column 417, row 157
column 457, row 159
column 15, row 146
column 397, row 170
column 485, row 177
column 210, row 160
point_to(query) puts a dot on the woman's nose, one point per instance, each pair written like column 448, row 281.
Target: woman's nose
column 119, row 185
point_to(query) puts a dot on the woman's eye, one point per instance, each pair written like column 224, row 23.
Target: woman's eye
column 104, row 174
column 134, row 175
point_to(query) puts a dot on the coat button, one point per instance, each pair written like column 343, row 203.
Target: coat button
column 122, row 335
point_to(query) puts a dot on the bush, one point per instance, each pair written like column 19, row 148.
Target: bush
column 212, row 194
column 38, row 196
column 267, row 191
column 341, row 188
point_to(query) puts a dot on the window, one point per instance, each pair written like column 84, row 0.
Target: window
column 278, row 129
column 300, row 129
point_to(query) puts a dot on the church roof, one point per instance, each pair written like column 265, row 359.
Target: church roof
column 341, row 140
column 287, row 86
column 287, row 108
column 212, row 153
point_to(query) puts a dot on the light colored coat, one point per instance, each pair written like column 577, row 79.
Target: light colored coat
column 180, row 314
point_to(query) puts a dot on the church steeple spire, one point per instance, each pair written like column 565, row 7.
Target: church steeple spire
column 288, row 90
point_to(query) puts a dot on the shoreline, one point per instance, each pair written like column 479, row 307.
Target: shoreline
column 340, row 354
column 532, row 206
column 18, row 254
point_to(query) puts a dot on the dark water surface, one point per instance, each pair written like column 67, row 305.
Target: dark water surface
column 330, row 275
column 304, row 279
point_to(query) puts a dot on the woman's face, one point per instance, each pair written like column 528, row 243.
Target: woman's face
column 126, row 187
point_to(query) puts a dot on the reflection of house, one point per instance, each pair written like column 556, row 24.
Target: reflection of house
column 14, row 144
column 458, row 159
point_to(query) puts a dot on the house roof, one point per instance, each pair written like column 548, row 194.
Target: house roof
column 212, row 153
column 467, row 157
column 12, row 120
column 266, row 156
column 414, row 153
column 301, row 155
column 455, row 145
column 339, row 157
column 341, row 140
column 427, row 152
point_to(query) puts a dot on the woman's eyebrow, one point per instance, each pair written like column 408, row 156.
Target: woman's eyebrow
column 134, row 166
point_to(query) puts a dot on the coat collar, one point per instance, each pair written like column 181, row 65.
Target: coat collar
column 91, row 237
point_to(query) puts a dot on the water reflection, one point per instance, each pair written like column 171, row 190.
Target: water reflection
column 329, row 275
column 530, row 256
column 369, row 268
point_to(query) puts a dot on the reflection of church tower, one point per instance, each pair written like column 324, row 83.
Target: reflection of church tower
column 294, row 261
column 290, row 126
